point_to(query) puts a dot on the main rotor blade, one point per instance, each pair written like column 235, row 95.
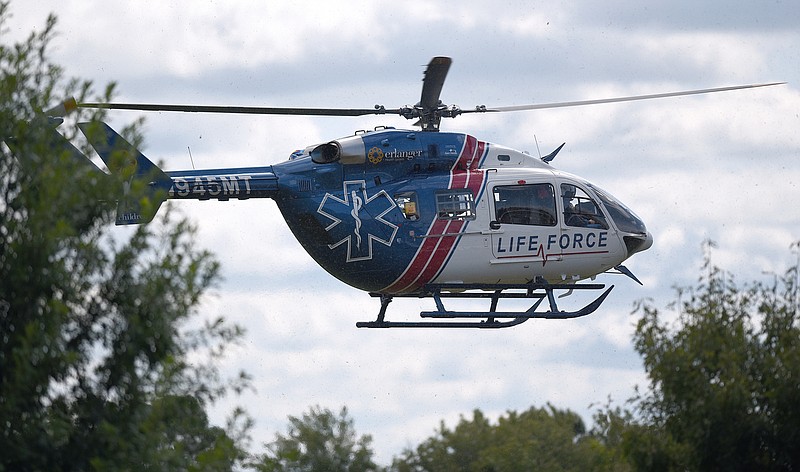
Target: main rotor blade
column 378, row 110
column 433, row 81
column 482, row 109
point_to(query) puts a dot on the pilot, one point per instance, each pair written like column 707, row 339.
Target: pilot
column 585, row 215
column 572, row 214
column 568, row 194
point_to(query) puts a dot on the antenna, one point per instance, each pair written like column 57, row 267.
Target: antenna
column 190, row 157
column 537, row 146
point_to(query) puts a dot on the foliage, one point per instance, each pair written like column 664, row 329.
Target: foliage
column 725, row 381
column 319, row 441
column 536, row 439
column 95, row 334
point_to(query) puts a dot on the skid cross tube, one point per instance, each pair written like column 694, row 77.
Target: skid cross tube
column 492, row 319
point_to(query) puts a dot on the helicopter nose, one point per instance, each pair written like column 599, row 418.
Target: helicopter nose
column 638, row 243
column 648, row 242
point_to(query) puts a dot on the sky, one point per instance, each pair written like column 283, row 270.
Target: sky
column 724, row 167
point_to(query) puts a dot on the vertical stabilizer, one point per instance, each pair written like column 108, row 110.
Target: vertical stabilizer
column 144, row 185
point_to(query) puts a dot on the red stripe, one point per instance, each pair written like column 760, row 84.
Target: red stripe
column 439, row 256
column 459, row 179
column 433, row 252
column 422, row 258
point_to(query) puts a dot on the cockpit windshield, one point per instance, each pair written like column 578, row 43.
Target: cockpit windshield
column 625, row 219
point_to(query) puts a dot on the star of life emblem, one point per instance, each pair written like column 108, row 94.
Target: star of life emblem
column 365, row 224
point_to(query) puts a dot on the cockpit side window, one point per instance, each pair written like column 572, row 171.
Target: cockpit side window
column 580, row 210
column 530, row 204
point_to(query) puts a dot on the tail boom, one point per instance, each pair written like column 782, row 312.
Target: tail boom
column 223, row 184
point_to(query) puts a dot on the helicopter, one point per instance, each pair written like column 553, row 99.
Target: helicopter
column 418, row 213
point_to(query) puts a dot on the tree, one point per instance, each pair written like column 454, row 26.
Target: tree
column 458, row 449
column 94, row 332
column 318, row 441
column 724, row 381
column 536, row 439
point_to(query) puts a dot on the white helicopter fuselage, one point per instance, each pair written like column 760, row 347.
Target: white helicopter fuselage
column 518, row 249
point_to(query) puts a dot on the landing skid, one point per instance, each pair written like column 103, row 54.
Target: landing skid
column 492, row 319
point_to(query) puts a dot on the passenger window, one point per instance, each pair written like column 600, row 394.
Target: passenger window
column 532, row 204
column 455, row 204
column 580, row 210
column 407, row 201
